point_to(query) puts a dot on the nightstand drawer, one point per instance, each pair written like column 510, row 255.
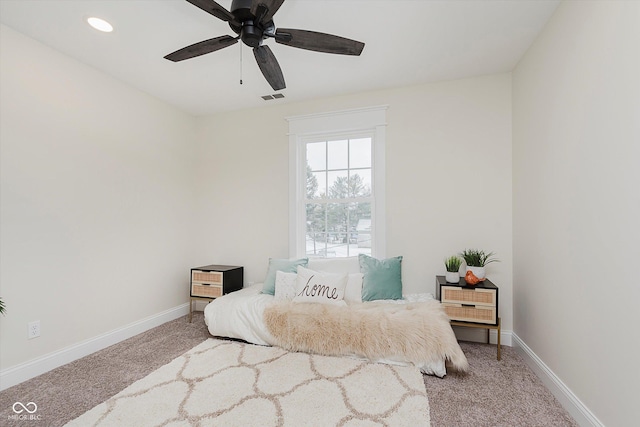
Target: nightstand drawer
column 213, row 281
column 471, row 313
column 209, row 277
column 207, row 291
column 478, row 296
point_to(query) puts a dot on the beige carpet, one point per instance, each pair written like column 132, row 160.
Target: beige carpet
column 494, row 393
column 228, row 383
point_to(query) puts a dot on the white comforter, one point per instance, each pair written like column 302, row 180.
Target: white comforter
column 240, row 315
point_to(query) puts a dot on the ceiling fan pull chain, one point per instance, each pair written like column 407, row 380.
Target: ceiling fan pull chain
column 240, row 62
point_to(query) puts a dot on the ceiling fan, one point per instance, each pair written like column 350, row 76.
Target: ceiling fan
column 252, row 21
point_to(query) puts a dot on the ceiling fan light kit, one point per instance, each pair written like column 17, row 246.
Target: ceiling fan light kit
column 252, row 21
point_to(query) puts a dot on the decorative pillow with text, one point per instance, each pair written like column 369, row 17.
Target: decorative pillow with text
column 323, row 288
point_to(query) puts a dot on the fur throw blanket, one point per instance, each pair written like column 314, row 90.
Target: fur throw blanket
column 415, row 332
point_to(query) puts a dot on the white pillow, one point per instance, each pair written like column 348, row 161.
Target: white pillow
column 286, row 286
column 338, row 265
column 323, row 288
column 353, row 291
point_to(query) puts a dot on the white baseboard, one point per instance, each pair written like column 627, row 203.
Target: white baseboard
column 24, row 371
column 505, row 337
column 583, row 416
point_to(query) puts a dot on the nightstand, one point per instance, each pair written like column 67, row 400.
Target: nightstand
column 470, row 306
column 212, row 281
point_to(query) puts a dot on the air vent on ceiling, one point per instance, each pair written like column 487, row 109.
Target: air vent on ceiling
column 274, row 96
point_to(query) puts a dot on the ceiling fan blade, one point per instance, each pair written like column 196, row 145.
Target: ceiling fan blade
column 215, row 9
column 269, row 66
column 201, row 48
column 271, row 7
column 318, row 42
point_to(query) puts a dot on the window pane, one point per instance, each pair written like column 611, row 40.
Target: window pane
column 338, row 154
column 360, row 217
column 316, row 217
column 338, row 182
column 316, row 244
column 337, row 225
column 361, row 247
column 360, row 183
column 335, row 245
column 316, row 239
column 336, row 217
column 360, row 153
column 317, row 155
column 316, row 185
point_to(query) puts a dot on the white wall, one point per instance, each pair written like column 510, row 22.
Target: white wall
column 576, row 172
column 96, row 201
column 106, row 201
column 448, row 179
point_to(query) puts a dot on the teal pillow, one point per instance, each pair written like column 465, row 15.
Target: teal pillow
column 285, row 265
column 382, row 278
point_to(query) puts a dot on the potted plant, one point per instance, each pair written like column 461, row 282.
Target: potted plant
column 452, row 265
column 476, row 261
column 2, row 306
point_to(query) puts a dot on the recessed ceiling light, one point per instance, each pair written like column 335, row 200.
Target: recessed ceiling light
column 100, row 24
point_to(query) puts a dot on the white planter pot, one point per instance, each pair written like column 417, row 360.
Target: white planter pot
column 452, row 277
column 479, row 272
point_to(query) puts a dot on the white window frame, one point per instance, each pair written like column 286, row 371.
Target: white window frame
column 302, row 129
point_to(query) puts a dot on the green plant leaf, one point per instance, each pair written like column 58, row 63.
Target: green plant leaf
column 477, row 258
column 453, row 263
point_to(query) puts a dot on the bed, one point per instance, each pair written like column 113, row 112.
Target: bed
column 350, row 306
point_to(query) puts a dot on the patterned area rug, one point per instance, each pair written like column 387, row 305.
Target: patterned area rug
column 227, row 383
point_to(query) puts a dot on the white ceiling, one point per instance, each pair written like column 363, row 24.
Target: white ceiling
column 407, row 42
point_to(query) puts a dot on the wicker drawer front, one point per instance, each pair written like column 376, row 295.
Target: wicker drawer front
column 210, row 277
column 208, row 291
column 467, row 313
column 457, row 295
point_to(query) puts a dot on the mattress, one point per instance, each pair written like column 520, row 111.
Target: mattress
column 240, row 315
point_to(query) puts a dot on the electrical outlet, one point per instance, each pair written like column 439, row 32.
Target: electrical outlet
column 34, row 329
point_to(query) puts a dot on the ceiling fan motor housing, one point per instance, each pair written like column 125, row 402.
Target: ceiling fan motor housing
column 241, row 9
column 250, row 31
column 251, row 34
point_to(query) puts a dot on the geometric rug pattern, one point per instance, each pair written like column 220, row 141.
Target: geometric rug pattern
column 229, row 383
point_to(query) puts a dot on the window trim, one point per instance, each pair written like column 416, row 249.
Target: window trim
column 302, row 129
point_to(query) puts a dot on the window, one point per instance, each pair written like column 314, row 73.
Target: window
column 337, row 188
column 338, row 196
